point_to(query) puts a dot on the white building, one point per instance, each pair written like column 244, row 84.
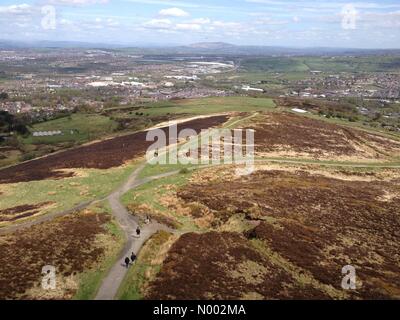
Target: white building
column 248, row 88
column 47, row 133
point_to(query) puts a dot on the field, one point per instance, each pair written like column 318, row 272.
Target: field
column 284, row 232
column 205, row 106
column 78, row 246
column 324, row 64
column 84, row 127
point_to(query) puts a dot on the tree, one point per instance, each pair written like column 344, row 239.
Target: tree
column 9, row 122
column 3, row 96
column 377, row 116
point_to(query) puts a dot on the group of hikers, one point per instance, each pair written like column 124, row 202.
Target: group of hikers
column 127, row 261
column 133, row 256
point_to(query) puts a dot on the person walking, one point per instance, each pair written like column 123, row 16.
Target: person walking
column 133, row 257
column 138, row 231
column 127, row 262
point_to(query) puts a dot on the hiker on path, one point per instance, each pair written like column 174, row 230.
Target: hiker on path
column 127, row 262
column 133, row 257
column 138, row 231
column 147, row 220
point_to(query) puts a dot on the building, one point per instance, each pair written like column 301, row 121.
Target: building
column 47, row 133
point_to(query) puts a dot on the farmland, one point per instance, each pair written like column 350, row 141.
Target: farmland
column 211, row 105
column 325, row 64
column 76, row 128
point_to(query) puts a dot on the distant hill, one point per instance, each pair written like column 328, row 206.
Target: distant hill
column 206, row 48
column 9, row 44
column 212, row 45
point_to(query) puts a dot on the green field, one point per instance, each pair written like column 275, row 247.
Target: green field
column 78, row 128
column 325, row 64
column 274, row 64
column 208, row 106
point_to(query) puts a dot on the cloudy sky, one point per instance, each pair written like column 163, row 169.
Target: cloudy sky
column 293, row 23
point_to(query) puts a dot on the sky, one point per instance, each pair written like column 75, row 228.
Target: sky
column 288, row 23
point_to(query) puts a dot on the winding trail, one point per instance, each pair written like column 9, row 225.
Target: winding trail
column 128, row 224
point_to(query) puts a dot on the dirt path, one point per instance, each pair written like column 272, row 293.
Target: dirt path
column 128, row 224
column 327, row 164
column 44, row 218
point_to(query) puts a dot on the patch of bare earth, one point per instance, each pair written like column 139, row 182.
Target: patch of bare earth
column 22, row 211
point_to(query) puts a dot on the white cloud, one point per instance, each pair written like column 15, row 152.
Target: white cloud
column 316, row 5
column 76, row 2
column 158, row 24
column 188, row 27
column 224, row 24
column 173, row 12
column 16, row 8
column 162, row 25
column 200, row 21
column 270, row 21
column 112, row 23
column 381, row 20
column 65, row 22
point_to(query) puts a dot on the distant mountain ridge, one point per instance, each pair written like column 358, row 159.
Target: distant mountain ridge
column 211, row 45
column 197, row 48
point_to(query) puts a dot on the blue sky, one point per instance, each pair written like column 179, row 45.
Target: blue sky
column 290, row 23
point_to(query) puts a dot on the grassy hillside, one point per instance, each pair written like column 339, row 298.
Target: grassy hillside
column 77, row 127
column 326, row 64
column 208, row 106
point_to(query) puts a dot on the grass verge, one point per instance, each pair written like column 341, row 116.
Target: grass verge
column 146, row 267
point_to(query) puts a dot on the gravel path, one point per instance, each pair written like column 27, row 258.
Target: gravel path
column 128, row 224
